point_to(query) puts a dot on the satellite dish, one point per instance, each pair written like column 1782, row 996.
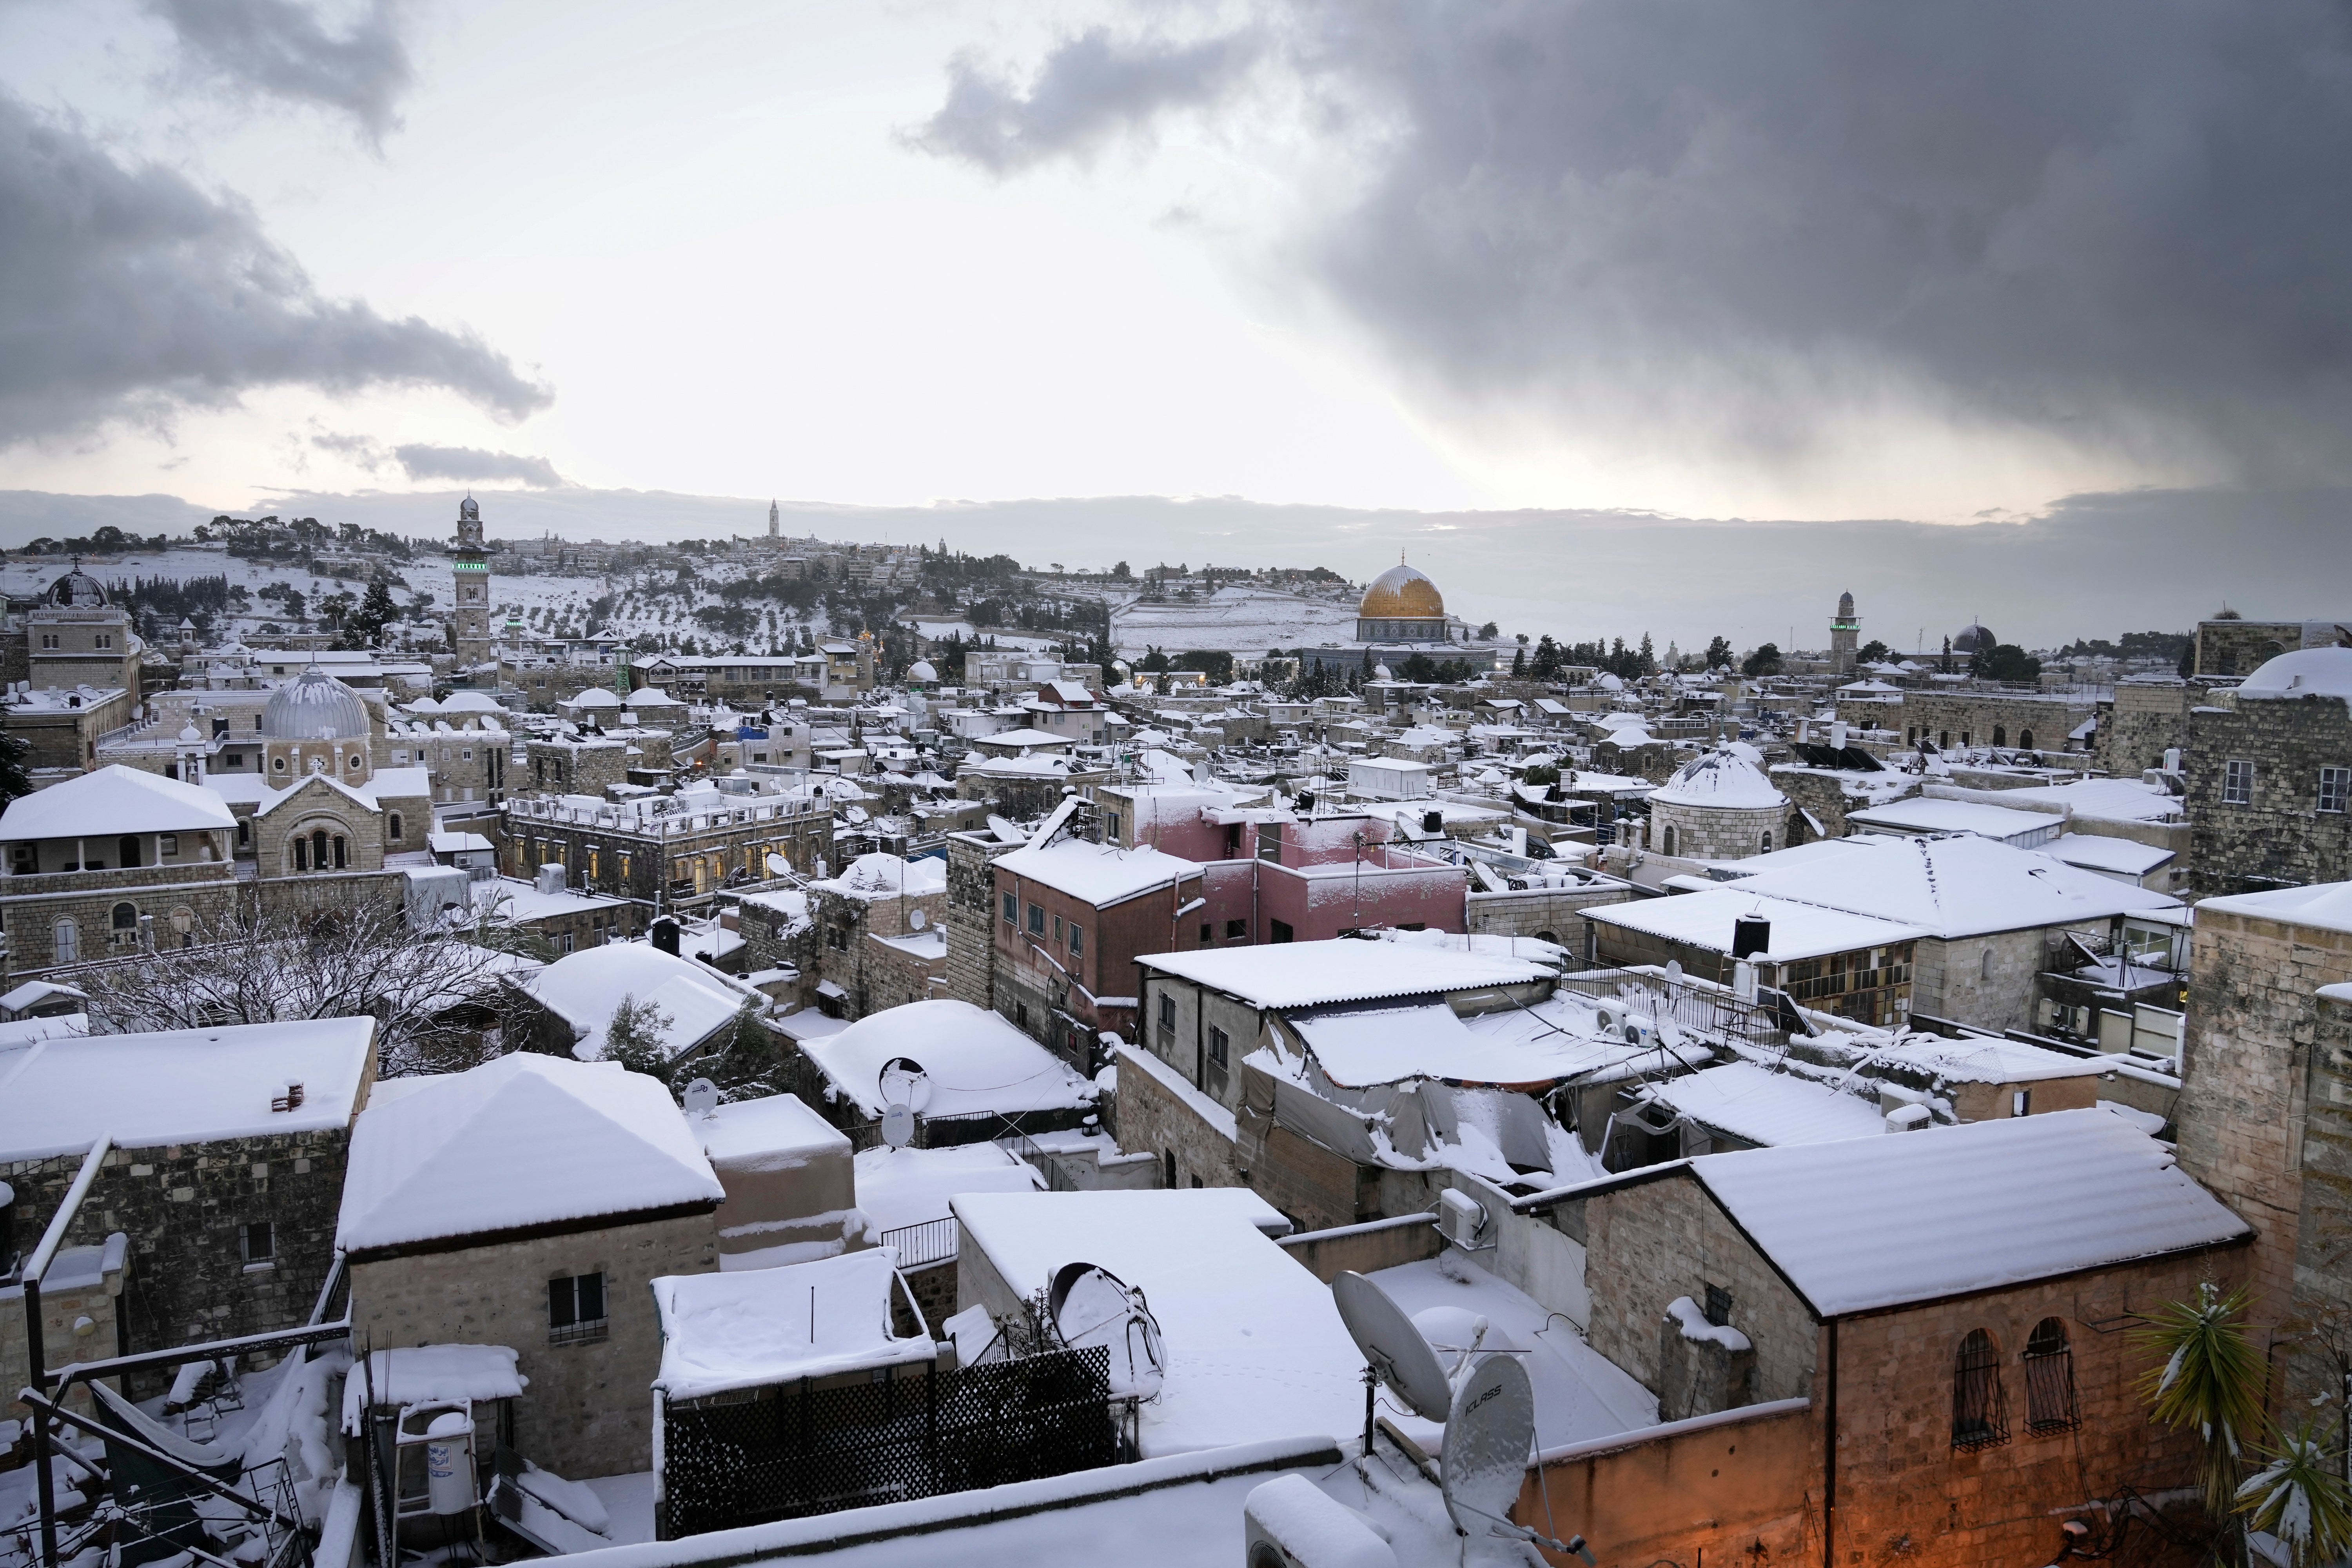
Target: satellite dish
column 701, row 1096
column 1006, row 832
column 1393, row 1346
column 904, row 1081
column 1092, row 1306
column 1489, row 1428
column 898, row 1126
column 779, row 867
column 854, row 814
column 1674, row 972
column 918, row 919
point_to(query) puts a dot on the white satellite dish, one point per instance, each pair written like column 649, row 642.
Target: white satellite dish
column 898, row 1126
column 777, row 866
column 1490, row 1428
column 701, row 1096
column 1092, row 1306
column 854, row 814
column 918, row 919
column 904, row 1081
column 1006, row 832
column 1393, row 1347
column 1674, row 972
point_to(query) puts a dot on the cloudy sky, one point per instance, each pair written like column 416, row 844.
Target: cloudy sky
column 1792, row 261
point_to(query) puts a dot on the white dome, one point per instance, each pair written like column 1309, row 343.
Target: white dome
column 470, row 702
column 314, row 705
column 1723, row 780
column 597, row 697
column 922, row 670
column 2306, row 672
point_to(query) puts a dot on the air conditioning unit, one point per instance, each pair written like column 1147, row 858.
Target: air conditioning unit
column 1289, row 1523
column 1462, row 1220
column 1608, row 1018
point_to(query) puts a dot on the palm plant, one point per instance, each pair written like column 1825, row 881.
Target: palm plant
column 2210, row 1381
column 2300, row 1497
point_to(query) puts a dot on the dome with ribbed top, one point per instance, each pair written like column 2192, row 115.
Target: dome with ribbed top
column 1402, row 591
column 314, row 707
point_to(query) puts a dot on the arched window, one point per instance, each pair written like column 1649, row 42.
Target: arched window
column 123, row 917
column 244, row 831
column 1984, row 965
column 127, row 848
column 301, row 847
column 67, row 937
column 1980, row 1416
column 1666, row 842
column 2050, row 1403
column 2001, row 734
column 342, row 854
column 1764, row 845
column 2025, row 740
column 393, row 823
column 318, row 848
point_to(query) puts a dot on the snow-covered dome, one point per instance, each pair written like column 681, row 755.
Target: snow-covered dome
column 1974, row 638
column 470, row 702
column 314, row 705
column 1403, row 593
column 597, row 697
column 1381, row 672
column 922, row 670
column 77, row 590
column 2306, row 672
column 1723, row 780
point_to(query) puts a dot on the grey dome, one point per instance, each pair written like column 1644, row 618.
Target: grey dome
column 77, row 590
column 469, row 511
column 316, row 706
column 1975, row 639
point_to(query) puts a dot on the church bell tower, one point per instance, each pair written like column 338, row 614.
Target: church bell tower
column 470, row 620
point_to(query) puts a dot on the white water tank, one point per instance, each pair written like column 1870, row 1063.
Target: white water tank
column 449, row 1462
column 550, row 877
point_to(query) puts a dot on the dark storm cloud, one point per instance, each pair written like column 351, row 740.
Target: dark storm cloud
column 283, row 49
column 1091, row 88
column 2123, row 226
column 131, row 294
column 472, row 463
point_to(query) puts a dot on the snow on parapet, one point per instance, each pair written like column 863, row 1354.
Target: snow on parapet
column 1306, row 973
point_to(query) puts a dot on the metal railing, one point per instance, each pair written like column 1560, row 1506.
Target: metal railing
column 920, row 1245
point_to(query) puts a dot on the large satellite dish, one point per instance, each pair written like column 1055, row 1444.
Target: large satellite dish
column 777, row 866
column 898, row 1126
column 905, row 1082
column 1006, row 832
column 1490, row 1428
column 701, row 1096
column 1392, row 1346
column 1092, row 1306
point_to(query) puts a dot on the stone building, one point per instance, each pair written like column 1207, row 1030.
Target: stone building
column 881, row 937
column 2234, row 645
column 1718, row 806
column 73, row 637
column 531, row 1202
column 2265, row 1110
column 61, row 727
column 227, row 1159
column 2146, row 723
column 2270, row 776
column 1071, row 919
column 971, row 913
column 576, row 765
column 1964, row 720
column 677, row 850
column 109, row 864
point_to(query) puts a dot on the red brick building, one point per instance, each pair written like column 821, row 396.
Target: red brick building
column 1070, row 920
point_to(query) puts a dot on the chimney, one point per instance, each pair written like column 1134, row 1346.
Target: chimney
column 665, row 935
column 1751, row 935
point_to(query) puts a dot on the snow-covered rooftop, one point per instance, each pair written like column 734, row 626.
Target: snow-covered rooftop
column 1799, row 931
column 1926, row 813
column 180, row 1085
column 761, row 1326
column 2305, row 672
column 1343, row 969
column 1770, row 1108
column 585, row 988
column 974, row 1059
column 1098, row 874
column 109, row 801
column 2327, row 906
column 2118, row 856
column 1360, row 1045
column 521, row 1141
column 1724, row 779
column 1979, row 1059
column 1867, row 1223
column 774, row 1132
column 429, row 1374
column 1253, row 1342
column 888, row 876
column 898, row 1187
column 1956, row 887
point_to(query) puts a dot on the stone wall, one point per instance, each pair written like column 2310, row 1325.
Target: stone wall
column 971, row 916
column 1993, row 718
column 182, row 898
column 1551, row 914
column 1717, row 833
column 184, row 1208
column 1743, row 1487
column 2149, row 716
column 1991, row 981
column 588, row 1409
column 2282, row 837
column 1152, row 1120
column 80, row 1317
column 1362, row 1248
column 574, row 767
column 2240, row 647
column 2252, row 1035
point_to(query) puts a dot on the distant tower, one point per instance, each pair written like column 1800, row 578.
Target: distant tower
column 470, row 620
column 1846, row 636
column 776, row 521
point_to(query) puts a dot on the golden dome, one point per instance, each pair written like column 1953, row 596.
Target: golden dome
column 1401, row 593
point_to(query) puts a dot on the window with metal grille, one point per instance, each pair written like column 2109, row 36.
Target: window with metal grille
column 1011, row 909
column 1979, row 1416
column 576, row 1310
column 258, row 1242
column 2334, row 788
column 2050, row 1405
column 2238, row 783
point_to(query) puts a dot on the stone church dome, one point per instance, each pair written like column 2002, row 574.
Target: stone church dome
column 1403, row 593
column 316, row 706
column 77, row 590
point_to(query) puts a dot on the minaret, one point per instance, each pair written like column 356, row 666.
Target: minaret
column 1846, row 636
column 775, row 520
column 469, row 619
